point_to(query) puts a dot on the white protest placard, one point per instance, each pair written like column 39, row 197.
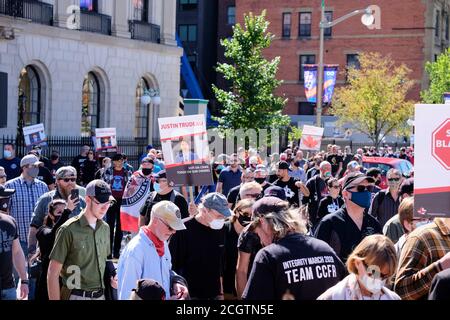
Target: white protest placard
column 311, row 138
column 35, row 135
column 184, row 142
column 105, row 139
column 432, row 161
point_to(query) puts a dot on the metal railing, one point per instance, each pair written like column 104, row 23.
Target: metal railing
column 95, row 22
column 69, row 147
column 145, row 31
column 36, row 11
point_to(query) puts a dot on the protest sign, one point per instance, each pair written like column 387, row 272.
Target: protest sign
column 184, row 143
column 105, row 139
column 311, row 138
column 432, row 161
column 35, row 135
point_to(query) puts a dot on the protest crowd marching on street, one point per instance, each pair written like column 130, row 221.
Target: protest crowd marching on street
column 287, row 226
column 246, row 152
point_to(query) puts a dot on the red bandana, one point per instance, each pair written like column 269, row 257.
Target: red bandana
column 159, row 245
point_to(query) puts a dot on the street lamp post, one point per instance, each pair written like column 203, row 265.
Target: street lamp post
column 367, row 19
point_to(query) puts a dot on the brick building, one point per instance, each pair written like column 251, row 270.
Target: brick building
column 412, row 32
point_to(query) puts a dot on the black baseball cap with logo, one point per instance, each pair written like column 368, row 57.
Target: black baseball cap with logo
column 100, row 190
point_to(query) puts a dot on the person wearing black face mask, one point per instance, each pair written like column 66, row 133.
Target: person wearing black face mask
column 261, row 174
column 241, row 217
column 55, row 162
column 344, row 229
column 58, row 213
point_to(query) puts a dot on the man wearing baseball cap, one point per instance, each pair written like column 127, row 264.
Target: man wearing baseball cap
column 28, row 190
column 66, row 178
column 197, row 251
column 147, row 255
column 82, row 241
column 344, row 229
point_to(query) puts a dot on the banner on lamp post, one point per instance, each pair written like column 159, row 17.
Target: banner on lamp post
column 310, row 76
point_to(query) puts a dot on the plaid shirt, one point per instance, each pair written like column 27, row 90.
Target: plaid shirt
column 23, row 202
column 419, row 260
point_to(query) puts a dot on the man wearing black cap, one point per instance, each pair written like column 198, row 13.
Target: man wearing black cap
column 344, row 229
column 164, row 191
column 289, row 184
column 81, row 250
column 11, row 254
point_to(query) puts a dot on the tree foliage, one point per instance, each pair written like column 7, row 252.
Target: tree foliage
column 439, row 73
column 250, row 103
column 374, row 100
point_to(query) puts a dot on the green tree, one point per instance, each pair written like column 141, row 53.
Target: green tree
column 439, row 73
column 374, row 100
column 250, row 103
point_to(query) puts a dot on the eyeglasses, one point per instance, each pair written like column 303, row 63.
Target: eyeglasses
column 167, row 226
column 67, row 180
column 394, row 179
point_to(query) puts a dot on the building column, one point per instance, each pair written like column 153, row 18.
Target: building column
column 168, row 27
column 61, row 8
column 120, row 27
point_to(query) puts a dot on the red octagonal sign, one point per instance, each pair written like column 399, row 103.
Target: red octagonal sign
column 441, row 144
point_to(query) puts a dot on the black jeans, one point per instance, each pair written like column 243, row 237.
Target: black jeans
column 115, row 230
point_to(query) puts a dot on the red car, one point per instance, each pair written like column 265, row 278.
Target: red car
column 384, row 164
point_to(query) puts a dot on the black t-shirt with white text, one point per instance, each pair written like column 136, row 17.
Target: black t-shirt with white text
column 329, row 205
column 299, row 265
column 8, row 233
column 342, row 234
column 290, row 189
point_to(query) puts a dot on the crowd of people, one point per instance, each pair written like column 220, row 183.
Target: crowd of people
column 290, row 227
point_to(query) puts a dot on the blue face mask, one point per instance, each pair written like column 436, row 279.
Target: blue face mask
column 361, row 199
column 156, row 186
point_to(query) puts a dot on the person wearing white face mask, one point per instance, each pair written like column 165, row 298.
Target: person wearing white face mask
column 371, row 266
column 197, row 252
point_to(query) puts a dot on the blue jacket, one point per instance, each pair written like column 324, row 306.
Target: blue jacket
column 140, row 260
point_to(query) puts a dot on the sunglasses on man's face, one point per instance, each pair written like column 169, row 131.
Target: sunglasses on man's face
column 67, row 180
column 393, row 179
column 361, row 188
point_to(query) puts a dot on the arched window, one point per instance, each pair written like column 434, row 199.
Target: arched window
column 90, row 112
column 141, row 128
column 140, row 10
column 29, row 104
